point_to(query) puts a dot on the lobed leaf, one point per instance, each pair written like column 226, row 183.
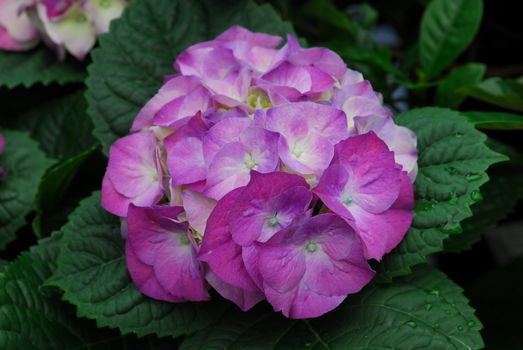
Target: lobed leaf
column 130, row 65
column 422, row 311
column 93, row 275
column 37, row 66
column 61, row 125
column 452, row 160
column 24, row 164
column 34, row 317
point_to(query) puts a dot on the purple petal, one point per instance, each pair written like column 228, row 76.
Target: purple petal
column 305, row 79
column 231, row 166
column 161, row 241
column 228, row 170
column 112, row 201
column 309, row 268
column 382, row 232
column 177, row 111
column 220, row 252
column 241, row 297
column 174, row 89
column 198, row 208
column 237, row 32
column 226, row 131
column 308, row 134
column 133, row 170
column 374, row 182
column 321, row 58
column 400, row 140
column 185, row 161
column 267, row 204
column 144, row 279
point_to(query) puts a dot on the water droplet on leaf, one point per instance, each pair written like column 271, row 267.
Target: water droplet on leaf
column 476, row 196
column 451, row 170
column 412, row 324
column 473, row 177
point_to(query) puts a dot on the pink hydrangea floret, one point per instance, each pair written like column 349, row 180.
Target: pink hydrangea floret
column 265, row 171
column 63, row 25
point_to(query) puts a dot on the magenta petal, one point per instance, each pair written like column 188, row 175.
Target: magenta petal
column 308, row 134
column 237, row 32
column 112, row 201
column 305, row 79
column 250, row 260
column 227, row 171
column 241, row 297
column 185, row 161
column 220, row 252
column 144, row 279
column 383, row 232
column 309, row 268
column 132, row 174
column 400, row 215
column 226, row 131
column 318, row 57
column 179, row 109
column 267, row 204
column 400, row 140
column 374, row 183
column 132, row 166
column 161, row 241
column 198, row 208
column 174, row 89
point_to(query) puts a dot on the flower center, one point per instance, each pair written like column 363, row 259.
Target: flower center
column 249, row 162
column 104, row 3
column 297, row 151
column 80, row 18
column 273, row 221
column 311, row 247
column 347, row 200
column 184, row 239
column 258, row 99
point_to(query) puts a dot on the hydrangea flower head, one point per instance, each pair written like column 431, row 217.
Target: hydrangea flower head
column 237, row 154
column 64, row 25
column 17, row 33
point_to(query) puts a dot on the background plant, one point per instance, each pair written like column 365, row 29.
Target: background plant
column 435, row 65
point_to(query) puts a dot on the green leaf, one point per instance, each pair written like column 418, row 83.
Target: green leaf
column 452, row 160
column 447, row 28
column 37, row 66
column 61, row 126
column 53, row 188
column 327, row 11
column 500, row 196
column 422, row 311
column 448, row 94
column 495, row 120
column 132, row 60
column 33, row 317
column 93, row 274
column 497, row 91
column 24, row 164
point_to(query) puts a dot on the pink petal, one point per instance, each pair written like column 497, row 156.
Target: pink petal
column 220, row 252
column 198, row 208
